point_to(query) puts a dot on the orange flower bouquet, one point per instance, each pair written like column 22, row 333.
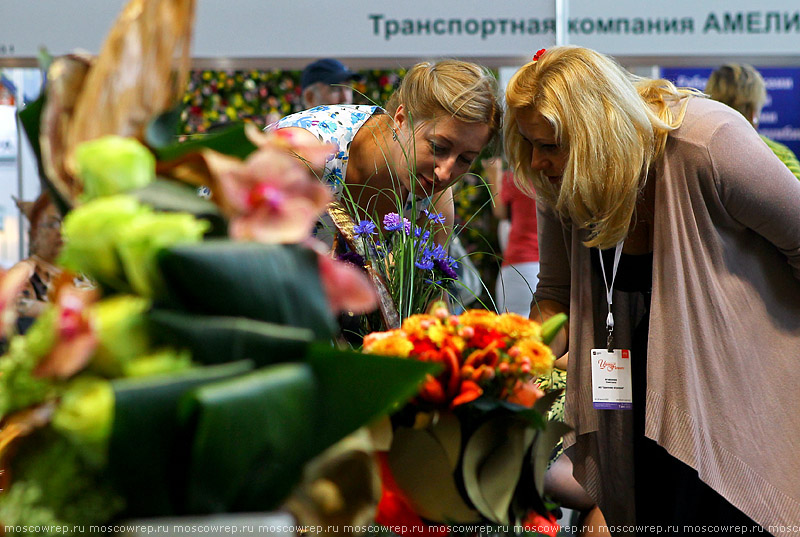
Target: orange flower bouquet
column 473, row 445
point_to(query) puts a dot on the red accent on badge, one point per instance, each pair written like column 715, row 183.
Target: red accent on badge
column 625, row 355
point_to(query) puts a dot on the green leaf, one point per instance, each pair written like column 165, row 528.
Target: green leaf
column 272, row 283
column 544, row 444
column 447, row 431
column 422, row 470
column 215, row 340
column 31, row 117
column 232, row 141
column 163, row 131
column 144, row 450
column 551, row 327
column 172, row 196
column 251, row 437
column 493, row 460
column 358, row 388
column 486, row 405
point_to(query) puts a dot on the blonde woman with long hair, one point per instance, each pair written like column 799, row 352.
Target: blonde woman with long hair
column 671, row 235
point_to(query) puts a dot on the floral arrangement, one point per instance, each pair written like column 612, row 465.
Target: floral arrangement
column 215, row 98
column 195, row 350
column 415, row 268
column 473, row 445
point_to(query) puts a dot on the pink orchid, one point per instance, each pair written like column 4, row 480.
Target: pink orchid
column 271, row 197
column 312, row 153
column 347, row 287
column 76, row 339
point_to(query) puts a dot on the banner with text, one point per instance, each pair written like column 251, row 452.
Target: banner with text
column 420, row 28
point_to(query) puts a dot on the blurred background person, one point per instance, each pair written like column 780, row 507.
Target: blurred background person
column 742, row 87
column 516, row 214
column 325, row 82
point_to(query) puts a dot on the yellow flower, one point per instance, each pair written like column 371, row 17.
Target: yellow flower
column 533, row 352
column 391, row 343
column 418, row 325
column 482, row 318
column 517, row 327
column 438, row 334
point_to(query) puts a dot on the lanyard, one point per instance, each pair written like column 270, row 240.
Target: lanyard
column 610, row 290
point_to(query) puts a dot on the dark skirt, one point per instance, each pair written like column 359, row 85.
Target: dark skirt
column 667, row 491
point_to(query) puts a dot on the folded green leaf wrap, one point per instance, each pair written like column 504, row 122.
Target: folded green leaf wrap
column 357, row 389
column 216, row 340
column 145, row 436
column 251, row 437
column 273, row 283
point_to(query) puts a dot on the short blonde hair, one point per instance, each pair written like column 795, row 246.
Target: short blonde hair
column 613, row 124
column 463, row 90
column 739, row 86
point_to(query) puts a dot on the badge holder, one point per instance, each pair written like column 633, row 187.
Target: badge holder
column 611, row 368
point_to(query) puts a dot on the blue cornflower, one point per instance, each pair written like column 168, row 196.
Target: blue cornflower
column 438, row 252
column 365, row 227
column 392, row 222
column 420, row 235
column 436, row 218
column 424, row 263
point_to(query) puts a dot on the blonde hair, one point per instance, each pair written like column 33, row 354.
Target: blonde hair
column 463, row 90
column 613, row 124
column 739, row 86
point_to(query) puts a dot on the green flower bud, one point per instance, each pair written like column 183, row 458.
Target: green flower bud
column 91, row 233
column 85, row 416
column 19, row 387
column 41, row 336
column 144, row 237
column 159, row 363
column 113, row 164
column 121, row 328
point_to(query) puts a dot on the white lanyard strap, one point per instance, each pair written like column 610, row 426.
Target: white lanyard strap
column 610, row 289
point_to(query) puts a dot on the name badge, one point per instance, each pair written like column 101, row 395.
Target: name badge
column 611, row 379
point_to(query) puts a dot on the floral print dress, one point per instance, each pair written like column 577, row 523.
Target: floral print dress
column 338, row 125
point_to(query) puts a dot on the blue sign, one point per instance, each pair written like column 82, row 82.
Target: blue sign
column 780, row 117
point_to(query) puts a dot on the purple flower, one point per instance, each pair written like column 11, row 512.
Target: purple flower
column 392, row 222
column 436, row 218
column 407, row 225
column 365, row 227
column 444, row 266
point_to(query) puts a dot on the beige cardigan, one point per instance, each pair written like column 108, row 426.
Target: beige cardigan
column 723, row 369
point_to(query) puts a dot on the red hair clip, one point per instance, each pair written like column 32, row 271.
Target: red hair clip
column 538, row 54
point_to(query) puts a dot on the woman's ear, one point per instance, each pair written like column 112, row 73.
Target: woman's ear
column 400, row 117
